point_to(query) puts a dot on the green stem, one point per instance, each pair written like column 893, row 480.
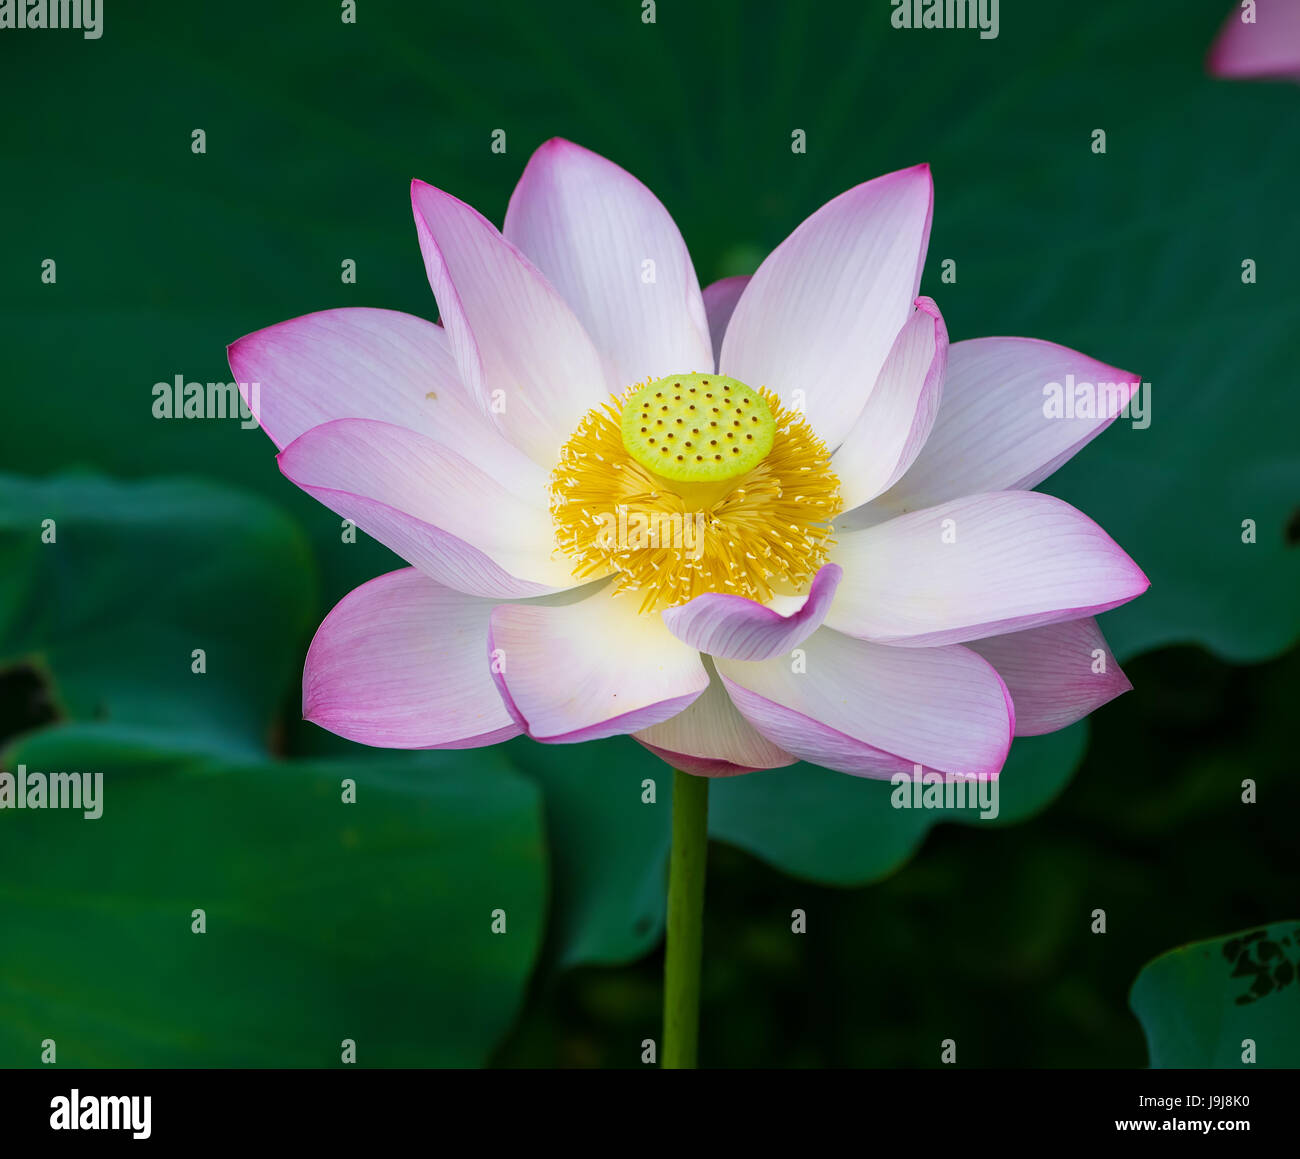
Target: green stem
column 685, row 920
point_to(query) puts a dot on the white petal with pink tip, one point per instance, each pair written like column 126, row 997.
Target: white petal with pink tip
column 818, row 319
column 874, row 711
column 997, row 429
column 435, row 509
column 1056, row 674
column 711, row 739
column 400, row 663
column 374, row 364
column 591, row 669
column 975, row 567
column 519, row 347
column 616, row 256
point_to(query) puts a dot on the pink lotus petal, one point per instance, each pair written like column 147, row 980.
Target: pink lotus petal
column 372, row 364
column 992, row 433
column 443, row 514
column 438, row 440
column 874, row 711
column 821, row 314
column 712, row 739
column 720, row 624
column 520, row 349
column 900, row 411
column 592, row 229
column 1268, row 49
column 720, row 300
column 401, row 663
column 978, row 566
column 1052, row 673
column 590, row 669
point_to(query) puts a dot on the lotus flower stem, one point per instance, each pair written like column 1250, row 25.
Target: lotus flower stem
column 686, row 868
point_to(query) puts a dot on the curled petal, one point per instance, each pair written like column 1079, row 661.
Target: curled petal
column 741, row 629
column 900, row 411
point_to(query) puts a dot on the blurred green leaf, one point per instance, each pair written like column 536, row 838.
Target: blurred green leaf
column 835, row 829
column 609, row 849
column 325, row 921
column 1199, row 1003
column 135, row 577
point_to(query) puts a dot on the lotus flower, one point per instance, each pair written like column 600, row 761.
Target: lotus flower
column 780, row 519
column 1259, row 42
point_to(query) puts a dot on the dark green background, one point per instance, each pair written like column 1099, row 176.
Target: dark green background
column 372, row 921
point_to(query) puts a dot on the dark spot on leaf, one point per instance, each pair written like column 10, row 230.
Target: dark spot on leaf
column 26, row 700
column 1250, row 955
column 1292, row 532
column 1244, row 967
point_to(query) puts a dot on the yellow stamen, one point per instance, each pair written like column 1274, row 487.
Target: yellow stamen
column 761, row 531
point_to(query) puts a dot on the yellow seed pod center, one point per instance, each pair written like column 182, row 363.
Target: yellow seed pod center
column 698, row 428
